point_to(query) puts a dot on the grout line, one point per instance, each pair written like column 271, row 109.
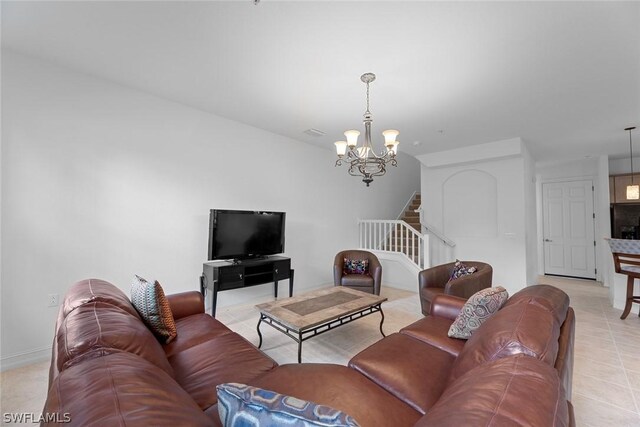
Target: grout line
column 577, row 292
column 624, row 369
column 604, row 403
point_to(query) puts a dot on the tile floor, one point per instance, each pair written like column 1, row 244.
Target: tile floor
column 606, row 374
column 606, row 381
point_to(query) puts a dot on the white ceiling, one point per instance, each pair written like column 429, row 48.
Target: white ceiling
column 563, row 76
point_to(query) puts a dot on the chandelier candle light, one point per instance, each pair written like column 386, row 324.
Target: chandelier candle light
column 633, row 190
column 363, row 161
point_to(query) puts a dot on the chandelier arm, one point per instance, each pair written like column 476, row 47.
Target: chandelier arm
column 367, row 136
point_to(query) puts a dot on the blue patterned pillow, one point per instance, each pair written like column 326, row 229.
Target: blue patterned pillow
column 460, row 269
column 356, row 266
column 241, row 405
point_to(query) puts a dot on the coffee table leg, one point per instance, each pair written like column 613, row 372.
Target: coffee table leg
column 381, row 322
column 259, row 333
column 299, row 348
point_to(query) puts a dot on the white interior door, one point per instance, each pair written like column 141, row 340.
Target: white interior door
column 568, row 222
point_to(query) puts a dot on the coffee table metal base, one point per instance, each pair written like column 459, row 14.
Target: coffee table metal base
column 303, row 335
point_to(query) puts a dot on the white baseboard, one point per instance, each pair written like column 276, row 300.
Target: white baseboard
column 25, row 358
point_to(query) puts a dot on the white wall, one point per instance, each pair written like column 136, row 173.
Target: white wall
column 620, row 166
column 398, row 272
column 618, row 282
column 530, row 213
column 99, row 180
column 502, row 246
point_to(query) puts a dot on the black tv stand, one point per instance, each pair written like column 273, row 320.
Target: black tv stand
column 236, row 261
column 225, row 275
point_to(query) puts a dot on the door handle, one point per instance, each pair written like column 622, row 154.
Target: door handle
column 547, row 240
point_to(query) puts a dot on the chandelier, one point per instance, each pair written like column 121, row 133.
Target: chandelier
column 362, row 160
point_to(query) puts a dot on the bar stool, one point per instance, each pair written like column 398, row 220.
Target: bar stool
column 626, row 257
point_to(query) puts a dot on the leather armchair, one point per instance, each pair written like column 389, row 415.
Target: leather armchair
column 435, row 281
column 361, row 282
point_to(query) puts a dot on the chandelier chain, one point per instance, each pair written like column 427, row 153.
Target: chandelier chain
column 368, row 112
column 631, row 153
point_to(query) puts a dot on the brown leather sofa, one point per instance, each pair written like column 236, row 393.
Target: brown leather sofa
column 107, row 368
column 361, row 282
column 435, row 281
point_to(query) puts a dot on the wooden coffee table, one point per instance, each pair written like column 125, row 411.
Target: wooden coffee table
column 315, row 313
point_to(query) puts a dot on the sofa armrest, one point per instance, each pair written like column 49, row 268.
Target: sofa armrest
column 447, row 306
column 186, row 304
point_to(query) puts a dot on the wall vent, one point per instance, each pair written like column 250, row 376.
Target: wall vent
column 314, row 132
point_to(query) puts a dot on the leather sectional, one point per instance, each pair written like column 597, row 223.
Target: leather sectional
column 108, row 369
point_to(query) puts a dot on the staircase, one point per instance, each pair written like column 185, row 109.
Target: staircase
column 409, row 240
column 410, row 216
column 397, row 241
column 401, row 237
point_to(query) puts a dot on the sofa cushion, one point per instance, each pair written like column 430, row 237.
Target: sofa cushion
column 121, row 389
column 148, row 298
column 501, row 393
column 99, row 324
column 433, row 330
column 82, row 292
column 411, row 370
column 95, row 290
column 357, row 280
column 478, row 308
column 551, row 298
column 341, row 388
column 193, row 330
column 221, row 359
column 240, row 405
column 519, row 329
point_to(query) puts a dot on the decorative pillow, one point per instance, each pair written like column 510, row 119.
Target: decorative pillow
column 241, row 405
column 478, row 308
column 356, row 266
column 460, row 269
column 153, row 306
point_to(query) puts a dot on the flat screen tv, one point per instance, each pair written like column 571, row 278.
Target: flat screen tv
column 237, row 234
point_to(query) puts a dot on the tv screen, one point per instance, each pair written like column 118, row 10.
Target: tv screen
column 245, row 234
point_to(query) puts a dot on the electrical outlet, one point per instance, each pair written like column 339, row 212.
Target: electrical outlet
column 54, row 300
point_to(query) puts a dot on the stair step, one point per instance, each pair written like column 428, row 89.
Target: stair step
column 410, row 222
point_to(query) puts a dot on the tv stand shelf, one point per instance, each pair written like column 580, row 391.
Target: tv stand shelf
column 226, row 275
